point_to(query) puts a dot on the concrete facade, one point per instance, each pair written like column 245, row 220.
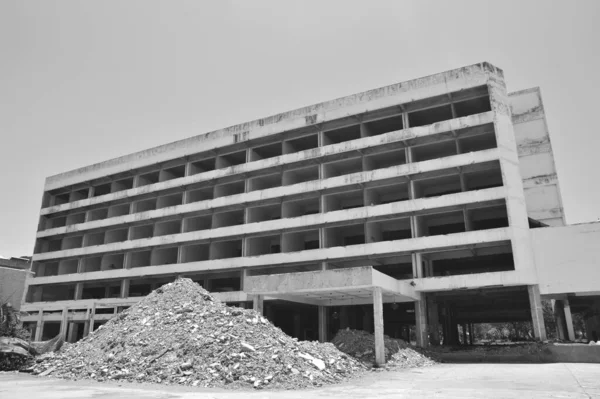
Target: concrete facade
column 391, row 210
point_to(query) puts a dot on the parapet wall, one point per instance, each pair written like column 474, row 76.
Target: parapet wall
column 405, row 92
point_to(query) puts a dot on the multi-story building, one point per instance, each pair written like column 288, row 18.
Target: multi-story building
column 411, row 206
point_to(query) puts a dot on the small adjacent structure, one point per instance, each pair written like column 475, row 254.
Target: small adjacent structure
column 13, row 273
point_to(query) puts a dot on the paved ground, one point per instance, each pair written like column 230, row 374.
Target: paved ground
column 559, row 380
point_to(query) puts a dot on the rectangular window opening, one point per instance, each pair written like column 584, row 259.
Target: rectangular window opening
column 301, row 144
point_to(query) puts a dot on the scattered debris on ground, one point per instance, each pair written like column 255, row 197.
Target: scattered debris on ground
column 16, row 350
column 180, row 334
column 361, row 344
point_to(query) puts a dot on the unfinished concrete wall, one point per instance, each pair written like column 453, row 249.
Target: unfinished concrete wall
column 568, row 258
column 538, row 170
column 12, row 285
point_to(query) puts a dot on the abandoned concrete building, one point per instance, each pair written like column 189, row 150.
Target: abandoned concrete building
column 429, row 205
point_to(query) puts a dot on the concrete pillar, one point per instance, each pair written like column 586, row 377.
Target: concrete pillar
column 125, row 288
column 323, row 324
column 92, row 315
column 537, row 312
column 569, row 320
column 39, row 327
column 86, row 323
column 78, row 291
column 64, row 323
column 243, row 276
column 378, row 322
column 465, row 335
column 71, row 335
column 417, row 264
column 433, row 320
column 561, row 331
column 257, row 303
column 421, row 323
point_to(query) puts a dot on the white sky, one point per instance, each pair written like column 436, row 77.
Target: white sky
column 85, row 81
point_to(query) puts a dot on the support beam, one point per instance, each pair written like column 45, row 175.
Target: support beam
column 378, row 322
column 537, row 312
column 323, row 324
column 569, row 320
column 421, row 323
column 257, row 303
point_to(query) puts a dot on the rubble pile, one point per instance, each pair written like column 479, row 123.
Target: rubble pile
column 180, row 334
column 361, row 344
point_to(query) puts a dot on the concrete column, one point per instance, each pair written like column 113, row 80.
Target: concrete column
column 421, row 323
column 63, row 323
column 433, row 320
column 417, row 265
column 257, row 303
column 39, row 327
column 78, row 291
column 364, row 130
column 86, row 323
column 323, row 324
column 561, row 331
column 537, row 312
column 465, row 335
column 125, row 287
column 569, row 320
column 92, row 315
column 243, row 276
column 72, row 332
column 378, row 322
column 405, row 122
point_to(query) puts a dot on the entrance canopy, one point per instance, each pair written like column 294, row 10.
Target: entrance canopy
column 339, row 287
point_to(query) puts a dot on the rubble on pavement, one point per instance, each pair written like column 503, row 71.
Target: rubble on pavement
column 361, row 345
column 180, row 334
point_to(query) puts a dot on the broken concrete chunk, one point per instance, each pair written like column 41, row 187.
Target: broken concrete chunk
column 247, row 348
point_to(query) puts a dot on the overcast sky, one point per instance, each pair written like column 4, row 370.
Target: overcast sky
column 85, row 81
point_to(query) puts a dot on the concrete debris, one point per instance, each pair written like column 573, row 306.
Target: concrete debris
column 398, row 354
column 179, row 334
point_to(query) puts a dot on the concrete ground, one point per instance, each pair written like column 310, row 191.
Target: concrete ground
column 558, row 380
